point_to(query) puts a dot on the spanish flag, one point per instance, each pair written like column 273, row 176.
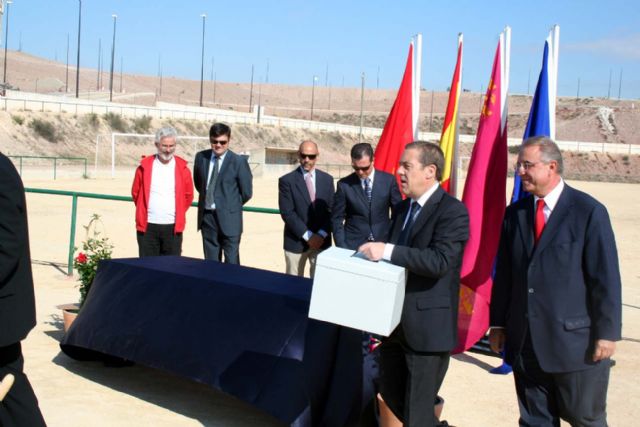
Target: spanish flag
column 449, row 138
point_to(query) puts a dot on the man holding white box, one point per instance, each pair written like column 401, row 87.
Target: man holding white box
column 428, row 234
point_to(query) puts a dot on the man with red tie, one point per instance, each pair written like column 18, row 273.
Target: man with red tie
column 556, row 299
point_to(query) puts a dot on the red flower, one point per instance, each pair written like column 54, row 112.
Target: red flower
column 81, row 258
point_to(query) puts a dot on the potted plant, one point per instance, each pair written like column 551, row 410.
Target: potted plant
column 95, row 247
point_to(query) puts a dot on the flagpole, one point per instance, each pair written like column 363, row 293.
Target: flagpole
column 456, row 152
column 506, row 66
column 554, row 45
column 416, row 81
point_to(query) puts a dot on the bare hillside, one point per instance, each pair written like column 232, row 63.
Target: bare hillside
column 585, row 119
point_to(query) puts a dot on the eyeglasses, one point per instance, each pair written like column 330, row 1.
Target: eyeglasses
column 308, row 156
column 361, row 169
column 218, row 142
column 525, row 165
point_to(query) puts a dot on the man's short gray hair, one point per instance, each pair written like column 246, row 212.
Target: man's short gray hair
column 166, row 132
column 549, row 150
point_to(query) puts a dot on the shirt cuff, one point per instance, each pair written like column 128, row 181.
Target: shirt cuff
column 388, row 250
column 307, row 235
column 323, row 233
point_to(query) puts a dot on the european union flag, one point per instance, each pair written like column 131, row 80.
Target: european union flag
column 542, row 113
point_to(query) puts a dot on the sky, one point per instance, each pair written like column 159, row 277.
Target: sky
column 297, row 40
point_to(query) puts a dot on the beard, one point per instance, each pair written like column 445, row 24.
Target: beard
column 165, row 157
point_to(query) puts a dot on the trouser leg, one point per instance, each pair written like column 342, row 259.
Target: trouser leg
column 20, row 407
column 294, row 263
column 582, row 395
column 210, row 242
column 535, row 389
column 170, row 242
column 231, row 248
column 149, row 241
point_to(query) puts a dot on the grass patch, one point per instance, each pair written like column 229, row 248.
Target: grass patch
column 19, row 120
column 142, row 124
column 93, row 120
column 45, row 129
column 116, row 122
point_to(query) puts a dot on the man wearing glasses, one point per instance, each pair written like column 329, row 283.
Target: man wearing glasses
column 305, row 197
column 363, row 202
column 556, row 298
column 224, row 182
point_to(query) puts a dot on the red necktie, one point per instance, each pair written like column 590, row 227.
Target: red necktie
column 539, row 222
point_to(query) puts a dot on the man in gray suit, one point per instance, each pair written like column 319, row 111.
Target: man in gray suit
column 224, row 182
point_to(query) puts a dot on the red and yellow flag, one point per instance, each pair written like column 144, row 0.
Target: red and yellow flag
column 449, row 138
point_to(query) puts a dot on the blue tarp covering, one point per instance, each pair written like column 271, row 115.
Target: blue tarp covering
column 241, row 330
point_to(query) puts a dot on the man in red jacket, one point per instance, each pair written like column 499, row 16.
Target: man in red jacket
column 162, row 192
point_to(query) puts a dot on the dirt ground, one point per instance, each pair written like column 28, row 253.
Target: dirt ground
column 75, row 393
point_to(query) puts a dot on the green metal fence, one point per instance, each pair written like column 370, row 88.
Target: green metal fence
column 55, row 162
column 75, row 195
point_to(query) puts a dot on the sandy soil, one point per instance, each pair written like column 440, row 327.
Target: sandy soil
column 80, row 394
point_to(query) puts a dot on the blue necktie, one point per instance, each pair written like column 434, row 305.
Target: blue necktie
column 406, row 231
column 367, row 188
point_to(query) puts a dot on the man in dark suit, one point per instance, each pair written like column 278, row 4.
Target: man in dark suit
column 556, row 299
column 305, row 197
column 224, row 182
column 17, row 304
column 428, row 233
column 363, row 202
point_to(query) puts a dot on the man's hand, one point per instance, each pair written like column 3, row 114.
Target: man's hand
column 496, row 339
column 604, row 349
column 373, row 251
column 315, row 241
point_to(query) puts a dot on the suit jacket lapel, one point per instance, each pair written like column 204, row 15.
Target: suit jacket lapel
column 426, row 211
column 206, row 163
column 302, row 186
column 356, row 185
column 525, row 226
column 228, row 159
column 556, row 219
column 403, row 208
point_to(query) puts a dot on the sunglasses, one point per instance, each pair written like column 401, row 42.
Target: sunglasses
column 361, row 169
column 216, row 142
column 308, row 156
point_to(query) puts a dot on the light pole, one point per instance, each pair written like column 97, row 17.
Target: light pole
column 251, row 90
column 113, row 51
column 6, row 42
column 313, row 91
column 66, row 76
column 204, row 17
column 361, row 106
column 78, row 62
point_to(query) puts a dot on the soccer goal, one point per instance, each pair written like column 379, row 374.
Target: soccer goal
column 122, row 151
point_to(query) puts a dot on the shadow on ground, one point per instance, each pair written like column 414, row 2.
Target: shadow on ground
column 185, row 397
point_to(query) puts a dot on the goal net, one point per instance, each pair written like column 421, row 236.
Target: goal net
column 118, row 154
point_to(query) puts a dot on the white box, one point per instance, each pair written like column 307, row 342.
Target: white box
column 352, row 291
